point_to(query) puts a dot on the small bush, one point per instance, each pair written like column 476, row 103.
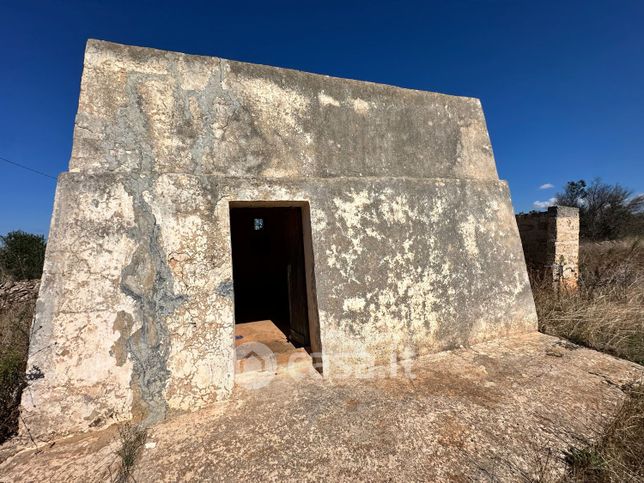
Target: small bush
column 15, row 318
column 22, row 256
column 13, row 381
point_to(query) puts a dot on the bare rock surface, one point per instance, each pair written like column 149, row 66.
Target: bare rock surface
column 497, row 410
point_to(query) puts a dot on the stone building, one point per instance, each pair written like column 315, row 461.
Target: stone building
column 366, row 221
column 550, row 242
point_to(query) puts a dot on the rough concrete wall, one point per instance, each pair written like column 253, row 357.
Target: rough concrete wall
column 550, row 242
column 149, row 110
column 143, row 319
column 415, row 244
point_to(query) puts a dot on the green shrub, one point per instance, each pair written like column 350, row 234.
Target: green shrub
column 22, row 255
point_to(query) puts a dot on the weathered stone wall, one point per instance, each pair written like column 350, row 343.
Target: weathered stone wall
column 144, row 110
column 550, row 242
column 414, row 239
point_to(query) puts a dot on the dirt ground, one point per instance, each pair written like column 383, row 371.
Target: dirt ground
column 501, row 410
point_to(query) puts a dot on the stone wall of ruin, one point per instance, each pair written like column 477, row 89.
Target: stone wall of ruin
column 550, row 242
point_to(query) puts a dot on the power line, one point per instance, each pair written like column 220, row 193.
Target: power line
column 27, row 168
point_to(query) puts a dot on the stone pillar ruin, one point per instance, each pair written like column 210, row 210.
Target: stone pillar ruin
column 551, row 243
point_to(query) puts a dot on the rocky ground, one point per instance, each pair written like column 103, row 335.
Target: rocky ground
column 502, row 410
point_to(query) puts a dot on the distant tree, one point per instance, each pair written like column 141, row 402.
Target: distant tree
column 606, row 212
column 573, row 193
column 22, row 255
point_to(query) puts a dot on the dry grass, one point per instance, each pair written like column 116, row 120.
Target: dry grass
column 14, row 344
column 606, row 312
column 619, row 455
column 133, row 438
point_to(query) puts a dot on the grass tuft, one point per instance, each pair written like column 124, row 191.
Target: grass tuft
column 619, row 454
column 133, row 438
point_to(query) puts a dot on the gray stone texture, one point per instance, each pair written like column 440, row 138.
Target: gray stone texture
column 415, row 242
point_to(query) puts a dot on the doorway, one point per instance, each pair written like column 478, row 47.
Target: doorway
column 273, row 275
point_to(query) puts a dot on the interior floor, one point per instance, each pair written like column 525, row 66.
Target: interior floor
column 287, row 356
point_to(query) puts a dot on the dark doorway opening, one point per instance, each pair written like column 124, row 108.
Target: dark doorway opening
column 273, row 268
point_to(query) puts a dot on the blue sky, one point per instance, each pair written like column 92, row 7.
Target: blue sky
column 561, row 82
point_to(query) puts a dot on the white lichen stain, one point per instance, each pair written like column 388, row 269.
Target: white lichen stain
column 373, row 233
column 278, row 107
column 467, row 230
column 352, row 212
column 360, row 106
column 437, row 210
column 318, row 220
column 386, row 323
column 354, row 304
column 353, row 218
column 395, row 209
column 194, row 76
column 326, row 100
